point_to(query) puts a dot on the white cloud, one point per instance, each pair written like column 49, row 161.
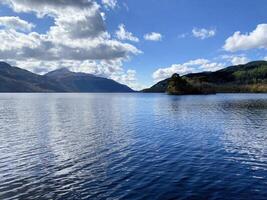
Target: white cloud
column 103, row 15
column 191, row 66
column 204, row 65
column 51, row 7
column 77, row 40
column 239, row 60
column 16, row 23
column 122, row 34
column 252, row 40
column 203, row 33
column 236, row 59
column 153, row 36
column 109, row 3
column 49, row 47
column 163, row 73
column 128, row 78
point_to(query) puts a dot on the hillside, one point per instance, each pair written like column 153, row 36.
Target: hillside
column 251, row 77
column 14, row 79
column 82, row 82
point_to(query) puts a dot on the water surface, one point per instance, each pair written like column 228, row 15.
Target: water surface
column 133, row 146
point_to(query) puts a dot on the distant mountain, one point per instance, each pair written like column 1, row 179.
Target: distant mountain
column 82, row 82
column 14, row 79
column 251, row 77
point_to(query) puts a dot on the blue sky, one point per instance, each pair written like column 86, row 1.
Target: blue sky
column 188, row 36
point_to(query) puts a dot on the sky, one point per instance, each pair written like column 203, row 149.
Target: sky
column 135, row 42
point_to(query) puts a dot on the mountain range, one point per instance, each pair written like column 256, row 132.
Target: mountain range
column 14, row 79
column 250, row 77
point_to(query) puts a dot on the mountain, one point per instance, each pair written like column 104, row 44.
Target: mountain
column 250, row 77
column 82, row 82
column 14, row 79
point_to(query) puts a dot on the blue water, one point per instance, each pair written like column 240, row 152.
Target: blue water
column 133, row 146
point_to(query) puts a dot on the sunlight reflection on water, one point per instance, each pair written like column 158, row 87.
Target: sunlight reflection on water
column 133, row 146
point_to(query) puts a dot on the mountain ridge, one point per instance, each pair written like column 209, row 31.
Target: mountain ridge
column 14, row 79
column 250, row 77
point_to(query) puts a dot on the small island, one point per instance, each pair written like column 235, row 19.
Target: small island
column 180, row 86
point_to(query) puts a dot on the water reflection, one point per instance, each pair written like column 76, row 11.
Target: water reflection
column 132, row 146
column 245, row 131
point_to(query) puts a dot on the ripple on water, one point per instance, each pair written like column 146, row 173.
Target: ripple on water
column 133, row 146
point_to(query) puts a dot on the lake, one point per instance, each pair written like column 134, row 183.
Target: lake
column 133, row 146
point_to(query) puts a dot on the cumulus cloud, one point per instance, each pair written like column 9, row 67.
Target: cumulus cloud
column 16, row 23
column 239, row 60
column 203, row 33
column 163, row 73
column 49, row 47
column 109, row 3
column 128, row 78
column 153, row 36
column 49, row 7
column 255, row 39
column 191, row 66
column 122, row 34
column 77, row 40
column 236, row 59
